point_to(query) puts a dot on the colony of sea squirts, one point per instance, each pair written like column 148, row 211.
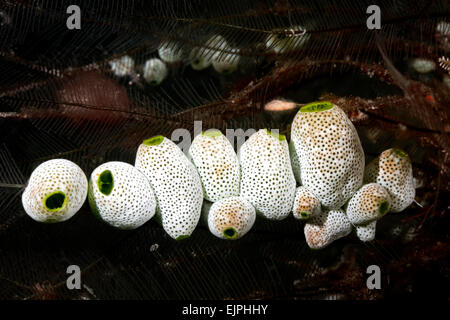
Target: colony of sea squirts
column 332, row 190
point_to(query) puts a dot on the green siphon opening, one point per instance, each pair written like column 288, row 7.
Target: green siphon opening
column 317, row 106
column 105, row 182
column 154, row 141
column 383, row 207
column 182, row 237
column 229, row 233
column 55, row 201
column 212, row 133
column 279, row 136
column 400, row 153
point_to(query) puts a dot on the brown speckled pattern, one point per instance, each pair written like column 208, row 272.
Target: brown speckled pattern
column 330, row 153
column 235, row 212
column 394, row 172
column 327, row 227
column 364, row 206
column 305, row 201
column 218, row 166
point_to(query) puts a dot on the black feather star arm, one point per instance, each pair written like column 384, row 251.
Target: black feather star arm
column 88, row 96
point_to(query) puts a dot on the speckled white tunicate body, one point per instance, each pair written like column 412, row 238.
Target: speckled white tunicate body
column 175, row 182
column 55, row 191
column 306, row 205
column 227, row 61
column 267, row 180
column 170, row 52
column 330, row 153
column 393, row 170
column 367, row 232
column 201, row 57
column 198, row 59
column 155, row 71
column 121, row 195
column 327, row 227
column 371, row 202
column 123, row 66
column 231, row 218
column 422, row 65
column 217, row 52
column 217, row 164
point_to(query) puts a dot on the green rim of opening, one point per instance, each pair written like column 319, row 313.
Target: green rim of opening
column 212, row 133
column 383, row 207
column 182, row 237
column 105, row 182
column 55, row 201
column 304, row 215
column 229, row 233
column 317, row 106
column 279, row 136
column 400, row 153
column 154, row 141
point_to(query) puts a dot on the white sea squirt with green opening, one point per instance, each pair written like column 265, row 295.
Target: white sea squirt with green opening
column 392, row 169
column 330, row 153
column 121, row 195
column 370, row 203
column 155, row 71
column 306, row 205
column 230, row 218
column 55, row 191
column 176, row 183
